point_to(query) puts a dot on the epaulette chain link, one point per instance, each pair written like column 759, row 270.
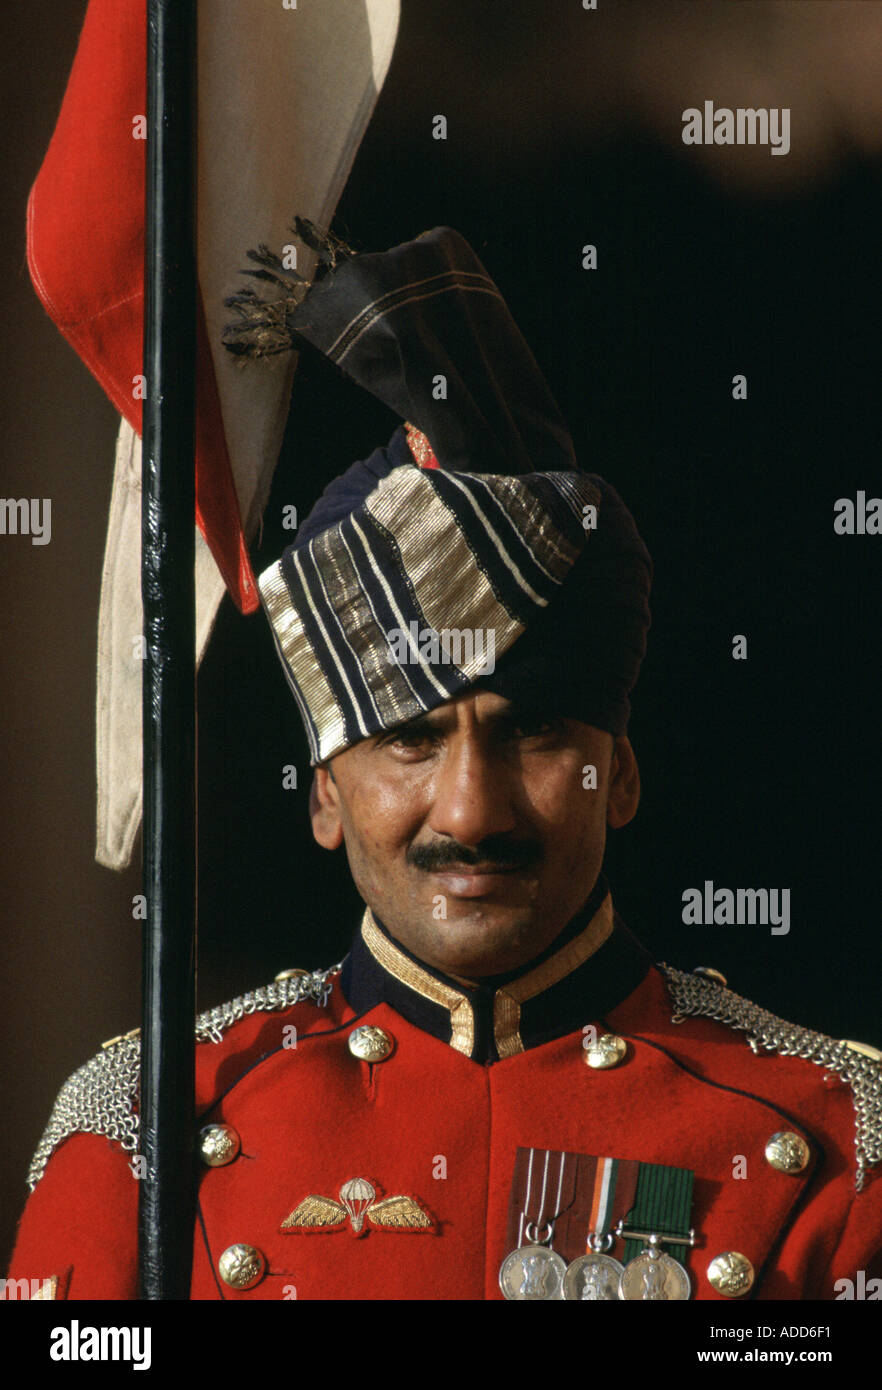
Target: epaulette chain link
column 699, row 996
column 101, row 1097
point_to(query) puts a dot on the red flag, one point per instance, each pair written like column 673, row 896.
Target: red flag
column 86, row 256
column 284, row 96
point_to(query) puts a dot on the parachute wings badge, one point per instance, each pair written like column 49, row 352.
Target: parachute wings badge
column 359, row 1203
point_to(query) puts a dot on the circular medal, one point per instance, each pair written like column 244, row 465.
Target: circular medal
column 533, row 1273
column 654, row 1275
column 593, row 1278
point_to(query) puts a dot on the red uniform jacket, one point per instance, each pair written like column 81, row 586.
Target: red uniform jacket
column 469, row 1077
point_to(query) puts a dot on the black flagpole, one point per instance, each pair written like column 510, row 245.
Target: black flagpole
column 165, row 1214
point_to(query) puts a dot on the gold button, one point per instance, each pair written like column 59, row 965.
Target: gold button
column 608, row 1051
column 289, row 975
column 218, row 1145
column 241, row 1266
column 370, row 1044
column 731, row 1274
column 787, row 1152
column 710, row 973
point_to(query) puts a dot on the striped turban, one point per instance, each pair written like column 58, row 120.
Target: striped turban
column 472, row 552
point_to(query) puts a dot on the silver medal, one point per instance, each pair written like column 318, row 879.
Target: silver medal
column 533, row 1273
column 593, row 1278
column 654, row 1275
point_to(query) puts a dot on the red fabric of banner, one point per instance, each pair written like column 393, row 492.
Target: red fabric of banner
column 86, row 257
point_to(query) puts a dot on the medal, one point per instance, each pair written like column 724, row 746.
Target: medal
column 534, row 1273
column 593, row 1278
column 654, row 1275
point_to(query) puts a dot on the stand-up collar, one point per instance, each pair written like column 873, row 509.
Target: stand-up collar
column 591, row 967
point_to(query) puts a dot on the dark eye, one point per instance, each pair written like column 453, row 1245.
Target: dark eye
column 534, row 726
column 407, row 738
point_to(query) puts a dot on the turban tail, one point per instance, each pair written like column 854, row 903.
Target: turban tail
column 501, row 565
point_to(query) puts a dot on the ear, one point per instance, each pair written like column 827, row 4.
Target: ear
column 324, row 809
column 624, row 785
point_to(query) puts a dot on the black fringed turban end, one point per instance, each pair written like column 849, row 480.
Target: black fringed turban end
column 410, row 584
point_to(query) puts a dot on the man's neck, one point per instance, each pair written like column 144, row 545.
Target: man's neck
column 588, row 911
column 589, row 968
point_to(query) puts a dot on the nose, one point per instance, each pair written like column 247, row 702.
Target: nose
column 472, row 797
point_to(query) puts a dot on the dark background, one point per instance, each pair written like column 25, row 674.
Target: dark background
column 761, row 773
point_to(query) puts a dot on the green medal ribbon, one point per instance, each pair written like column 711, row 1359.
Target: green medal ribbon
column 663, row 1203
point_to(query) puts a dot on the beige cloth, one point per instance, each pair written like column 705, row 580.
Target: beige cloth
column 285, row 96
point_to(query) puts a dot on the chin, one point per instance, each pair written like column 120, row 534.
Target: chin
column 477, row 949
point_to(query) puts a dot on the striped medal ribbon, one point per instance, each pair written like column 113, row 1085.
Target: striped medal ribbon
column 660, row 1216
column 607, row 1186
column 542, row 1187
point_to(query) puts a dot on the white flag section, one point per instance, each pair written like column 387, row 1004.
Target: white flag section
column 284, row 98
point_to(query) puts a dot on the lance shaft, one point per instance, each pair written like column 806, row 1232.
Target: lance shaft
column 166, row 1189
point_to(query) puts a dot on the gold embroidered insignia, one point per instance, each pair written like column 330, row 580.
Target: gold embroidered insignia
column 359, row 1202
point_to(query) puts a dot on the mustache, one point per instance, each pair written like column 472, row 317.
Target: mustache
column 498, row 850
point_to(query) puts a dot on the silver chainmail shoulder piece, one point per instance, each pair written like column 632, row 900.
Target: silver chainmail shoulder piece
column 101, row 1097
column 695, row 994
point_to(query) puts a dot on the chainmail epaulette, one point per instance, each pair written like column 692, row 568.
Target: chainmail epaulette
column 697, row 994
column 101, row 1097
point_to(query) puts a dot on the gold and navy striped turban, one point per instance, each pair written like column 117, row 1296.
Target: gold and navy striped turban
column 472, row 550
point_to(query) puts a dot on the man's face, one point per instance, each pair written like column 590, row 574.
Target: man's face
column 470, row 831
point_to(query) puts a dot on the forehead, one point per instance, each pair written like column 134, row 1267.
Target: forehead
column 483, row 709
column 481, row 705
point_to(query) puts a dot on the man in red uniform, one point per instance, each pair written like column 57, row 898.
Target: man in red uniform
column 498, row 1094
